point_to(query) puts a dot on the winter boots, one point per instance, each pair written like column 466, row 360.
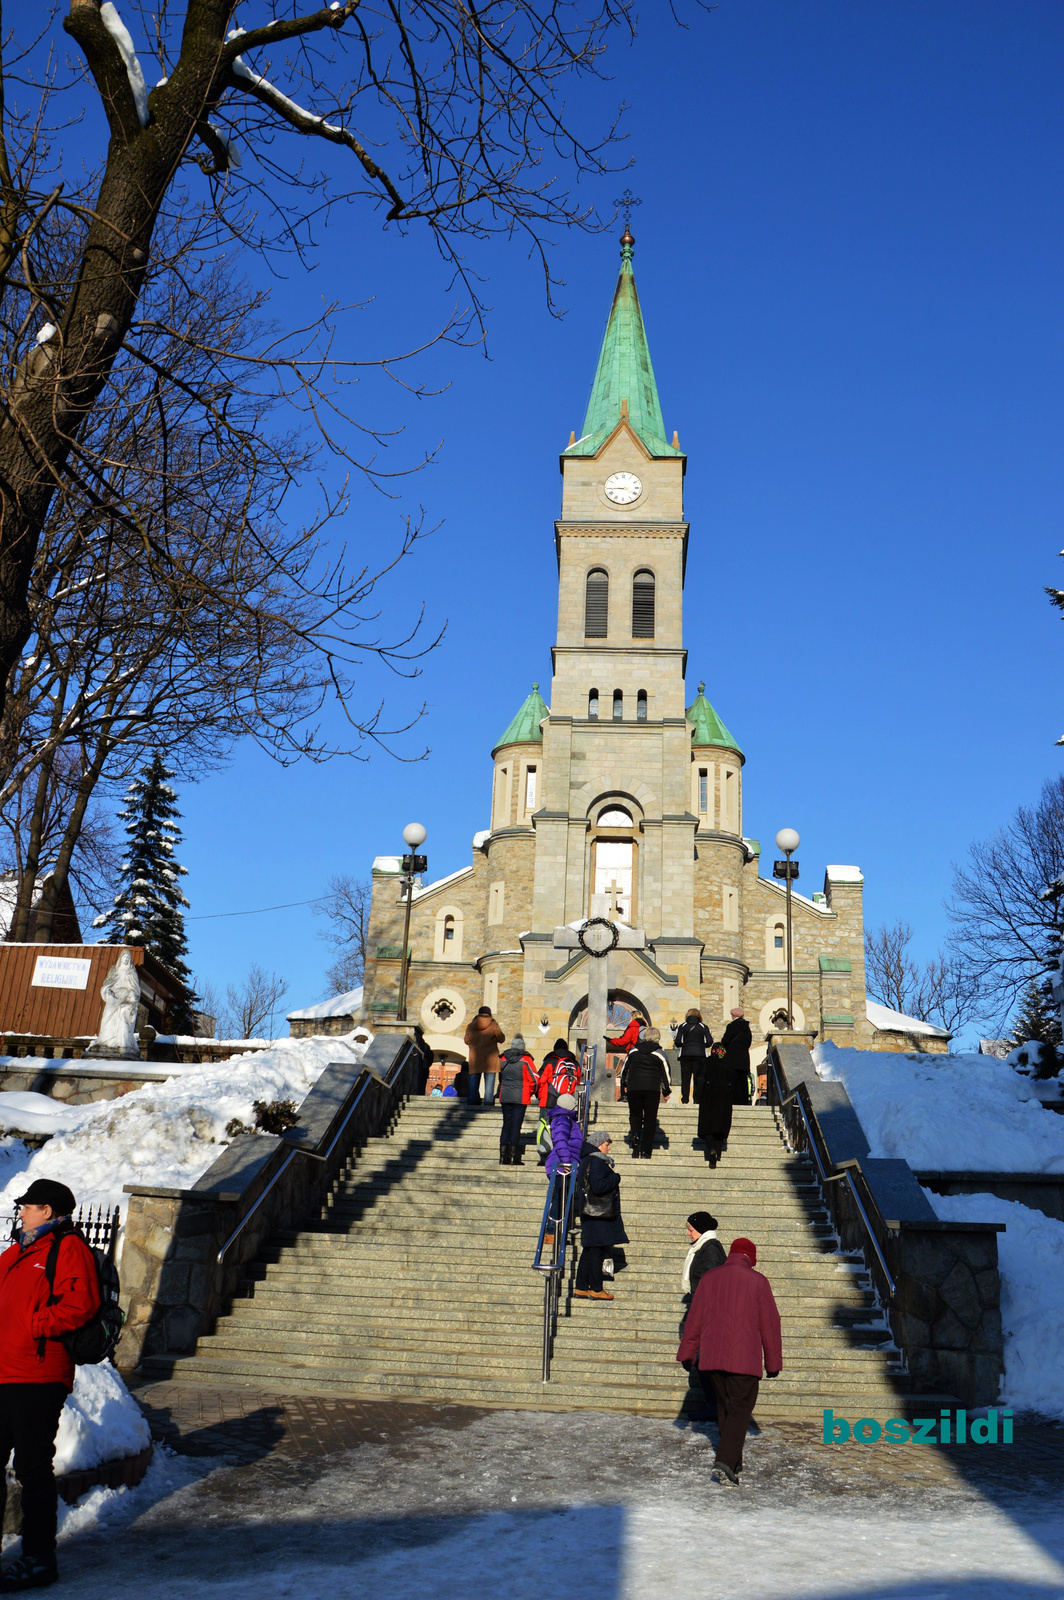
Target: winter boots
column 511, row 1155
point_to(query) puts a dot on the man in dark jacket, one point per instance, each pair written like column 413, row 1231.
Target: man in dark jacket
column 732, row 1327
column 693, row 1040
column 601, row 1227
column 644, row 1079
column 36, row 1373
column 705, row 1252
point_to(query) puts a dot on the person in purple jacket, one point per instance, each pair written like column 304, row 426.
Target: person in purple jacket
column 567, row 1148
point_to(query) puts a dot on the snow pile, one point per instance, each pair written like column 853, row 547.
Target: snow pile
column 166, row 1135
column 947, row 1113
column 1031, row 1257
column 101, row 1421
column 27, row 1112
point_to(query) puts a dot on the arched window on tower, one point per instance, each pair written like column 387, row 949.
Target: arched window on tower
column 643, row 605
column 618, row 705
column 596, row 604
column 592, row 703
column 641, row 706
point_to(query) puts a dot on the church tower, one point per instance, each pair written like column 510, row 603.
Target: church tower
column 617, row 743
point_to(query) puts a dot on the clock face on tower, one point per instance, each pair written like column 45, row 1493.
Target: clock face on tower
column 622, row 488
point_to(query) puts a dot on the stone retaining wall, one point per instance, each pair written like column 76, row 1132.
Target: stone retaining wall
column 173, row 1285
column 1042, row 1191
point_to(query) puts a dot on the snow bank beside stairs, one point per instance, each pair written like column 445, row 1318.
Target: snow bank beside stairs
column 946, row 1113
column 166, row 1135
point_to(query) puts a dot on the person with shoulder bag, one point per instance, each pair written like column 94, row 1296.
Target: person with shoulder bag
column 644, row 1081
column 49, row 1289
column 601, row 1225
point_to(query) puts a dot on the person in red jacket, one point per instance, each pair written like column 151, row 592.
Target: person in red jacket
column 559, row 1071
column 733, row 1325
column 36, row 1373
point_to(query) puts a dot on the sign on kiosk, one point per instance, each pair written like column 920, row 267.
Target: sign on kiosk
column 60, row 972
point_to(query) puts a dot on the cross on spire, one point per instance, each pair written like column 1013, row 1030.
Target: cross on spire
column 626, row 203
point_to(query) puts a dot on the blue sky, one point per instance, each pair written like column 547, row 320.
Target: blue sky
column 848, row 255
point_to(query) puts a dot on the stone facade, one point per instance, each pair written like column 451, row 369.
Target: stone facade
column 620, row 780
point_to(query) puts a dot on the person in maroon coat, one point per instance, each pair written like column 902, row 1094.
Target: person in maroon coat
column 732, row 1333
column 36, row 1372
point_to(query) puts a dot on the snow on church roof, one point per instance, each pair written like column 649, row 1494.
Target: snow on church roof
column 897, row 1022
column 341, row 1005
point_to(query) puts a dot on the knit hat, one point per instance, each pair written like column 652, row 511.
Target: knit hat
column 566, row 1102
column 702, row 1221
column 562, row 1044
column 744, row 1247
column 46, row 1192
column 599, row 1136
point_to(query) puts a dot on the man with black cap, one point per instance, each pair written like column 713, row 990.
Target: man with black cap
column 36, row 1372
column 706, row 1252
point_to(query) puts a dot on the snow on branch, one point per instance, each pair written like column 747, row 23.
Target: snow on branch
column 279, row 99
column 124, row 40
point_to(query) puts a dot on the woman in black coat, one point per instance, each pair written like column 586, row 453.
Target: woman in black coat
column 601, row 1227
column 715, row 1105
column 737, row 1040
column 692, row 1039
column 644, row 1079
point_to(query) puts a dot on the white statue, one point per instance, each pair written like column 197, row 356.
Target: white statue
column 120, row 992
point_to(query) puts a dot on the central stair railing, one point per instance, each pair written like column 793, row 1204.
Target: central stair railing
column 557, row 1229
column 803, row 1135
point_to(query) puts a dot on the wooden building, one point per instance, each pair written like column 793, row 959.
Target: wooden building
column 53, row 990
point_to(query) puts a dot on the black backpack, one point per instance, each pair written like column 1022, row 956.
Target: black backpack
column 96, row 1339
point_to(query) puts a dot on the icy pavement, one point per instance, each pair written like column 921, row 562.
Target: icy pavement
column 548, row 1506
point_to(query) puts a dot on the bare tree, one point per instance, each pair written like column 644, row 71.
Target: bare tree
column 347, row 909
column 459, row 108
column 254, row 1001
column 1007, row 918
column 891, row 974
column 943, row 991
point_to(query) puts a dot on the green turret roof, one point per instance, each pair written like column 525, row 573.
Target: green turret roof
column 624, row 374
column 708, row 728
column 524, row 729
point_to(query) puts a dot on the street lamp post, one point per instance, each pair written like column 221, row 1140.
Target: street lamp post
column 788, row 841
column 413, row 834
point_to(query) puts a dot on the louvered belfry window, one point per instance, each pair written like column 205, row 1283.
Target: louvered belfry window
column 643, row 606
column 596, row 604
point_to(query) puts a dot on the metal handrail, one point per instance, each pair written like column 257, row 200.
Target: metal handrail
column 793, row 1098
column 299, row 1150
column 892, row 1287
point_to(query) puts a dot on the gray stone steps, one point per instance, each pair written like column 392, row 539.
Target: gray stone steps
column 421, row 1261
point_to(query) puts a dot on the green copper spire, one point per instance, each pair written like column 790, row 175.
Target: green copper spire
column 708, row 728
column 624, row 375
column 525, row 729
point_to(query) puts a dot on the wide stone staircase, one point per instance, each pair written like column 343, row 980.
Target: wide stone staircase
column 416, row 1282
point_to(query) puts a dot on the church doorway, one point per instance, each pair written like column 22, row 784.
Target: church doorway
column 623, row 1007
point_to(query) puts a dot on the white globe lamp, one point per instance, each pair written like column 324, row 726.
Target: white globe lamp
column 787, row 840
column 415, row 834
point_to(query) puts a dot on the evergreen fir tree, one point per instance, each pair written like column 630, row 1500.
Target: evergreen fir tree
column 148, row 909
column 1038, row 1018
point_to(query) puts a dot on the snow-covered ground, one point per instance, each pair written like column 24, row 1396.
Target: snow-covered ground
column 946, row 1113
column 533, row 1506
column 164, row 1134
column 1031, row 1258
column 101, row 1421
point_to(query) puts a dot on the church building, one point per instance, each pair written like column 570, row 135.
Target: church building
column 620, row 783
